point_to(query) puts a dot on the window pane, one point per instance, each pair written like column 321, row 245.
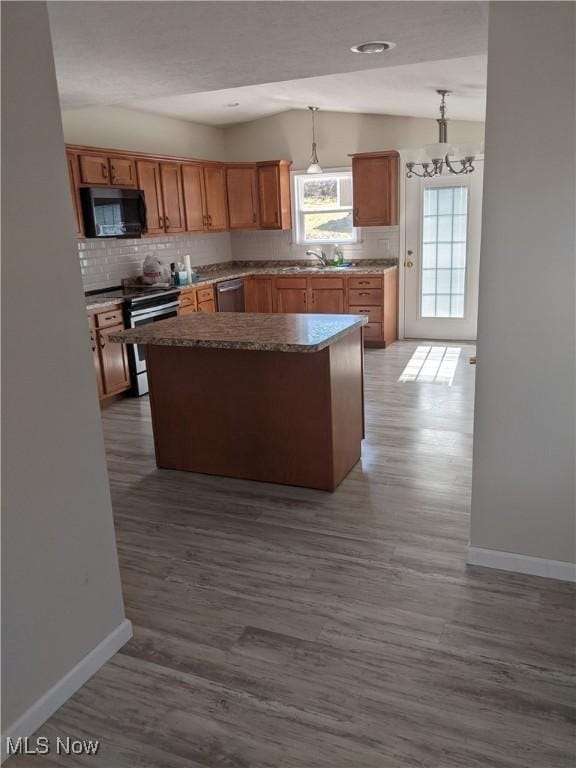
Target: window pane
column 328, row 227
column 428, row 306
column 445, row 197
column 459, row 255
column 428, row 281
column 444, row 232
column 443, row 280
column 458, row 280
column 429, row 255
column 460, row 200
column 430, row 229
column 320, row 193
column 442, row 306
column 444, row 255
column 460, row 228
column 457, row 309
column 444, row 229
column 430, row 201
column 346, row 192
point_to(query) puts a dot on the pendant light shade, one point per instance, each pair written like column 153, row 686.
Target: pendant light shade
column 314, row 166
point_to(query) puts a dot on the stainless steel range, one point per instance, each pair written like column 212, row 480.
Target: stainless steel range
column 142, row 305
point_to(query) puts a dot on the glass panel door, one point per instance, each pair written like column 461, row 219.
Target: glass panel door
column 440, row 265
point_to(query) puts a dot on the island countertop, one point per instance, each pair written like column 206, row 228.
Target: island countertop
column 247, row 331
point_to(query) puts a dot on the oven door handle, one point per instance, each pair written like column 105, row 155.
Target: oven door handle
column 144, row 314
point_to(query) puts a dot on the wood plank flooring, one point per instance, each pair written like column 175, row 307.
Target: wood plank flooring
column 278, row 627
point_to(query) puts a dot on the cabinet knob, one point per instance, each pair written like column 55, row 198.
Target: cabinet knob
column 167, row 222
column 104, row 171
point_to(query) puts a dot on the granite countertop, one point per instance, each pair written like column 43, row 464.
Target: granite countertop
column 241, row 330
column 102, row 301
column 107, row 298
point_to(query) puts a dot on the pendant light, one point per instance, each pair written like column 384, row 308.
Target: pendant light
column 314, row 166
column 432, row 159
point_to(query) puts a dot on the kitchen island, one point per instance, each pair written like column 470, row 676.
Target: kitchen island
column 268, row 397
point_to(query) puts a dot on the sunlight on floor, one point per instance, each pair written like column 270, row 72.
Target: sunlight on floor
column 432, row 364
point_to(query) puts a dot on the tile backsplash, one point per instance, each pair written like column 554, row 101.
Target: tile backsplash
column 375, row 243
column 105, row 263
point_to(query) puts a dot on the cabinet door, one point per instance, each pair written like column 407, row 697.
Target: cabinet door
column 149, row 181
column 269, row 196
column 122, row 171
column 215, row 198
column 94, row 169
column 290, row 300
column 192, row 183
column 258, row 294
column 329, row 302
column 74, row 177
column 207, row 306
column 113, row 361
column 375, row 183
column 242, row 198
column 171, row 179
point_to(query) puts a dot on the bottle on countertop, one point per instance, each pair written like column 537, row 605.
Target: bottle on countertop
column 338, row 256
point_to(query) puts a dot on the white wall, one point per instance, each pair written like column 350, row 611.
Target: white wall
column 61, row 593
column 524, row 460
column 287, row 136
column 130, row 129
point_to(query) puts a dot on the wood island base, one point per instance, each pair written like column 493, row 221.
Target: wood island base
column 295, row 418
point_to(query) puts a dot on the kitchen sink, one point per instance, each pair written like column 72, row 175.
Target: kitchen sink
column 319, row 268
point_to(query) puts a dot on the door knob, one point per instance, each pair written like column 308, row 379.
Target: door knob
column 409, row 264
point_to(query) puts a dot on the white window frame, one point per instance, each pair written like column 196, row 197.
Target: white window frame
column 298, row 228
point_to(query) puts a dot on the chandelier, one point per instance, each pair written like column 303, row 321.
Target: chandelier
column 433, row 158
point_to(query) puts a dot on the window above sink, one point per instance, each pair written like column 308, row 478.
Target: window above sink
column 323, row 208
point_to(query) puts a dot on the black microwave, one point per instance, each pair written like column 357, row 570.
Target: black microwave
column 113, row 212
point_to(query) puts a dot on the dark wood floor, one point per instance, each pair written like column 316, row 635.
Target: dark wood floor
column 281, row 627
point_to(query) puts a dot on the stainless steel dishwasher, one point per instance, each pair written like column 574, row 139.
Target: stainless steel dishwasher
column 230, row 295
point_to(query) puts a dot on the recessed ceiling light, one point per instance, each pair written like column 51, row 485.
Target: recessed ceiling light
column 373, row 46
column 233, row 104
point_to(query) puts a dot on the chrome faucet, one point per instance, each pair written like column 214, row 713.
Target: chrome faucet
column 320, row 255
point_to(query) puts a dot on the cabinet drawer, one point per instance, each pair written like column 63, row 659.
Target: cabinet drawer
column 373, row 332
column 207, row 306
column 295, row 283
column 112, row 317
column 363, row 297
column 205, row 294
column 189, row 309
column 374, row 314
column 186, row 299
column 327, row 283
column 364, row 282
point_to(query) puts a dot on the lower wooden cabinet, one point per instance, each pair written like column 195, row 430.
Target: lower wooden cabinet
column 291, row 294
column 258, row 294
column 110, row 359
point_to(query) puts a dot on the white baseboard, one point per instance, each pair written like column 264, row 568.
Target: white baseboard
column 533, row 566
column 61, row 691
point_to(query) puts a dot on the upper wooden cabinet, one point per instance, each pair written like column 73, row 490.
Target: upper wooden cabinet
column 242, row 197
column 194, row 207
column 172, row 197
column 73, row 177
column 149, row 181
column 215, row 198
column 376, row 188
column 274, row 195
column 94, row 169
column 105, row 170
column 122, row 171
column 187, row 195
